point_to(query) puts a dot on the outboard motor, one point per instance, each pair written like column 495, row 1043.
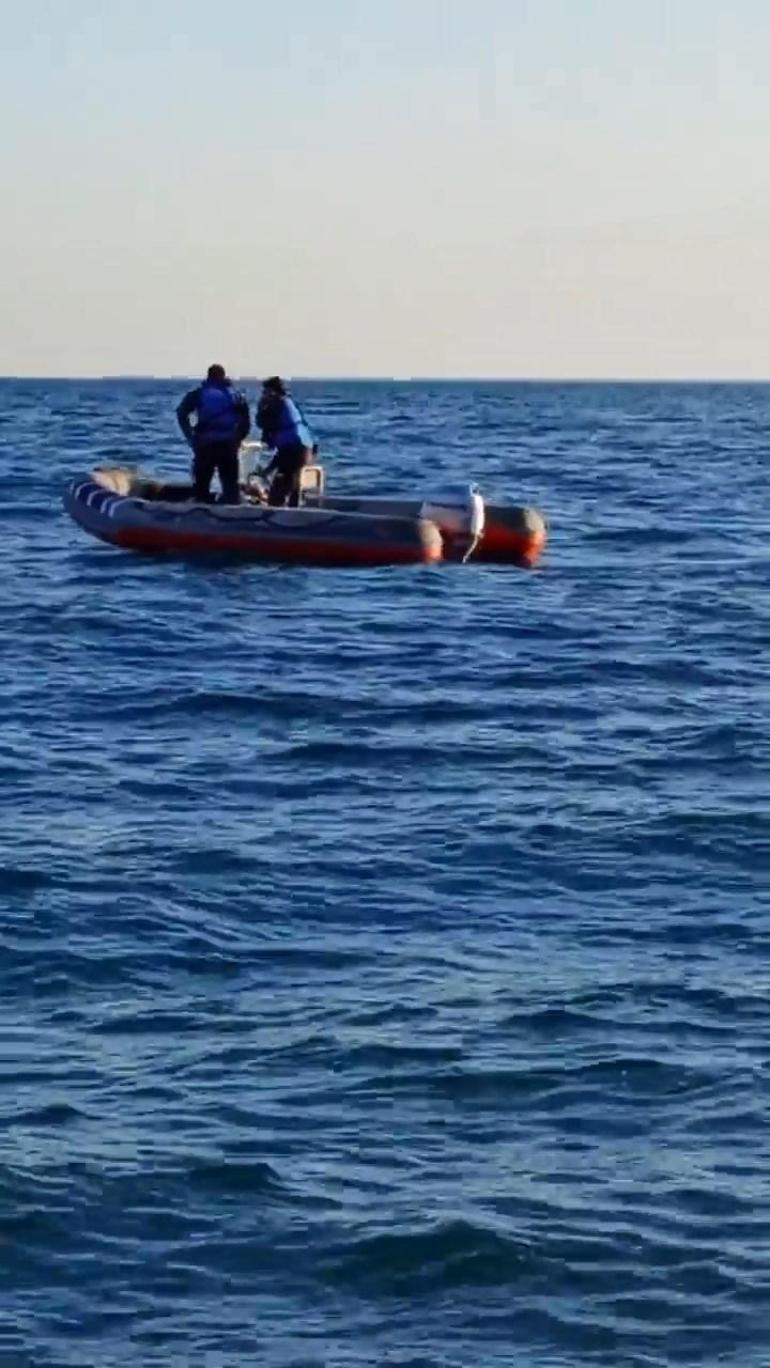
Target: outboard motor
column 459, row 516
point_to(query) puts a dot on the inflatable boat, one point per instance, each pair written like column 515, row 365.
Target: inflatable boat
column 122, row 506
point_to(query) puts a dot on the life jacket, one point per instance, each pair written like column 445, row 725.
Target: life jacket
column 286, row 425
column 217, row 414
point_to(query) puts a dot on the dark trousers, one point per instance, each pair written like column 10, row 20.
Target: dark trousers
column 219, row 457
column 284, row 488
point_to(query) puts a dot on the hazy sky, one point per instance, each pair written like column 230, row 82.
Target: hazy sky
column 409, row 187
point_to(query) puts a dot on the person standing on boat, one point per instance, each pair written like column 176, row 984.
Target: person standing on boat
column 284, row 428
column 222, row 423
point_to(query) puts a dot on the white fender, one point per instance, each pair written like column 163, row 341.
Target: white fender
column 459, row 516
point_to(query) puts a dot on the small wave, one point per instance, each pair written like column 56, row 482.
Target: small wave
column 17, row 879
column 377, row 1055
column 235, row 1176
column 636, row 537
column 215, row 859
column 50, row 1114
column 151, row 1022
column 628, row 1078
column 450, row 1255
column 552, row 1021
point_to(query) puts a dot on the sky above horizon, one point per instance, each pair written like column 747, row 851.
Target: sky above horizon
column 534, row 188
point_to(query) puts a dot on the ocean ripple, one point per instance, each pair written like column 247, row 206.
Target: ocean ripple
column 384, row 955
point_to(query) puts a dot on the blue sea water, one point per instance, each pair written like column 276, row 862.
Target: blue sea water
column 384, row 956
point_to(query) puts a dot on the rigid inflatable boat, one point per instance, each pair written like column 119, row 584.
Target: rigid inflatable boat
column 121, row 506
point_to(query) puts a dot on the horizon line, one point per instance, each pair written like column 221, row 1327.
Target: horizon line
column 183, row 377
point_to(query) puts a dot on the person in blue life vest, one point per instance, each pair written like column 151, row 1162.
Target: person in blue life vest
column 285, row 429
column 222, row 422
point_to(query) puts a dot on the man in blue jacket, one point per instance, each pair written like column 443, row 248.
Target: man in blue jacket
column 284, row 428
column 222, row 423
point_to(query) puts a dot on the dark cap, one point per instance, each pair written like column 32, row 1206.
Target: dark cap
column 216, row 374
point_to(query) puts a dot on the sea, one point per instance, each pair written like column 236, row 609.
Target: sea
column 385, row 954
